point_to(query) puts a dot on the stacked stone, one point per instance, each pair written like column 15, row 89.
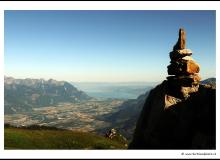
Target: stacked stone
column 183, row 69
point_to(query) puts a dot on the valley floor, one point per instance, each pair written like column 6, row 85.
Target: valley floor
column 83, row 116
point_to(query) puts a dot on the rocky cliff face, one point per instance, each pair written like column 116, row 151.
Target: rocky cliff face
column 179, row 113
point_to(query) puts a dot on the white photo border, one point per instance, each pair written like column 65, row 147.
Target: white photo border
column 108, row 5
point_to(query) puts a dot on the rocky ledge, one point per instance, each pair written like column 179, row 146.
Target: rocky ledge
column 167, row 122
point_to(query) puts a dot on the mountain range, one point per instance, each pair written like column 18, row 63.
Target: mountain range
column 24, row 94
column 211, row 81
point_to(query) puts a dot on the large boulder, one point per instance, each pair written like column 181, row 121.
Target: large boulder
column 167, row 122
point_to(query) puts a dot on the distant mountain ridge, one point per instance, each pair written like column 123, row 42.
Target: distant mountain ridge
column 23, row 94
column 211, row 81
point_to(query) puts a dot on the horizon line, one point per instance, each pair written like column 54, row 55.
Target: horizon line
column 72, row 81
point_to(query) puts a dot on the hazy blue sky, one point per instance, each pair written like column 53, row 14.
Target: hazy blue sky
column 104, row 46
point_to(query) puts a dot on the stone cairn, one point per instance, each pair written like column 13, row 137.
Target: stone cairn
column 184, row 78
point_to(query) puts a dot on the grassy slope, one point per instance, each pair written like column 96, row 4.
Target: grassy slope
column 17, row 138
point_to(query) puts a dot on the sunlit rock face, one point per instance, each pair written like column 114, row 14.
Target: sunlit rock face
column 179, row 113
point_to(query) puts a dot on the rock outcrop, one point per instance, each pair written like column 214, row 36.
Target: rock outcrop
column 111, row 134
column 179, row 113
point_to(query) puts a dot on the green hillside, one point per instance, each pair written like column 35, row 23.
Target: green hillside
column 21, row 138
